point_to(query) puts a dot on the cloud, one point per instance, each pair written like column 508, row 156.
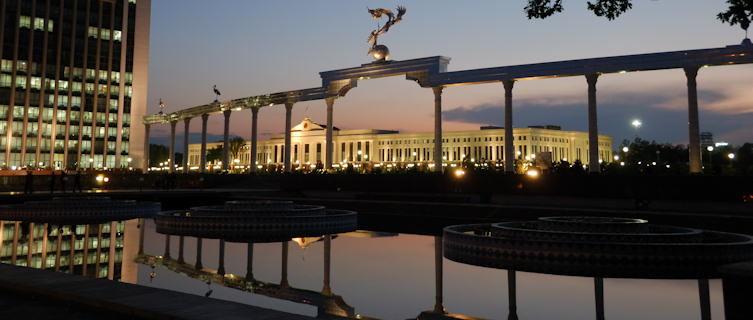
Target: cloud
column 664, row 115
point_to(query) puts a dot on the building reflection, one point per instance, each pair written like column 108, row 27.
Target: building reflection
column 97, row 249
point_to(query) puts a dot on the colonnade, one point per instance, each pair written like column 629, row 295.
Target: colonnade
column 509, row 153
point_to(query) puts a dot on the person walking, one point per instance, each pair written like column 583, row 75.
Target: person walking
column 28, row 187
column 63, row 180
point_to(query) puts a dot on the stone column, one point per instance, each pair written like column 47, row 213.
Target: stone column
column 185, row 164
column 437, row 128
column 509, row 152
column 438, row 300
column 167, row 246
column 197, row 264
column 284, row 265
column 142, row 226
column 329, row 147
column 326, row 289
column 2, row 225
column 599, row 295
column 111, row 254
column 694, row 146
column 288, row 152
column 250, row 262
column 171, row 156
column 72, row 251
column 30, row 245
column 703, row 294
column 98, row 252
column 14, row 250
column 58, row 246
column 512, row 295
column 203, row 156
column 146, row 147
column 226, row 142
column 254, row 137
column 593, row 130
column 181, row 241
column 221, row 268
column 85, row 263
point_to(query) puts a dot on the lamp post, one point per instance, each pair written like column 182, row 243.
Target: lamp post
column 710, row 149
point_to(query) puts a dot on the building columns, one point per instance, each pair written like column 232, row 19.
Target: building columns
column 288, row 152
column 437, row 128
column 284, row 266
column 329, row 147
column 203, row 156
column 593, row 130
column 599, row 297
column 226, row 141
column 197, row 264
column 703, row 294
column 146, row 148
column 512, row 295
column 250, row 262
column 254, row 137
column 221, row 267
column 181, row 241
column 438, row 300
column 167, row 246
column 171, row 156
column 326, row 289
column 185, row 163
column 509, row 153
column 694, row 146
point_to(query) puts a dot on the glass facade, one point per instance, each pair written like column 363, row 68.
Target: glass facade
column 66, row 82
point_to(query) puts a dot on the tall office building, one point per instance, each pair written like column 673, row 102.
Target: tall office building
column 73, row 82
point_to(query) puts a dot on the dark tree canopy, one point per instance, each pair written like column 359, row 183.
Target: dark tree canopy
column 236, row 145
column 214, row 154
column 739, row 12
column 610, row 9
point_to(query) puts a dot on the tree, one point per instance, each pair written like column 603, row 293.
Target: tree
column 158, row 153
column 739, row 12
column 611, row 9
column 214, row 154
column 236, row 145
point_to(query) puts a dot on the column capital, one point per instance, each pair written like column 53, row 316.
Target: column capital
column 330, row 101
column 227, row 112
column 591, row 78
column 691, row 72
column 205, row 116
column 186, row 120
column 289, row 105
column 254, row 110
column 173, row 123
column 508, row 84
column 437, row 90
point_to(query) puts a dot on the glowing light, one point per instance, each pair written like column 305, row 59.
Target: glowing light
column 622, row 163
column 710, row 148
column 459, row 173
column 564, row 159
column 533, row 173
column 616, row 157
column 625, row 149
column 653, row 163
column 731, row 156
column 636, row 123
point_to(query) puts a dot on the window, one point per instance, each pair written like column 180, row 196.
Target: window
column 24, row 22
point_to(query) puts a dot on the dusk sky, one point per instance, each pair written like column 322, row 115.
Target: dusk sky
column 250, row 48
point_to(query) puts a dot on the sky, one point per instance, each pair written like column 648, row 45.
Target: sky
column 250, row 48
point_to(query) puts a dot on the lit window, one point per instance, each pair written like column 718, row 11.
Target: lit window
column 24, row 22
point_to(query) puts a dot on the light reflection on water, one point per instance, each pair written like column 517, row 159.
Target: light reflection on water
column 393, row 277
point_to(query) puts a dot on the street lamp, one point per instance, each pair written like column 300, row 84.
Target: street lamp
column 636, row 123
column 625, row 149
column 731, row 156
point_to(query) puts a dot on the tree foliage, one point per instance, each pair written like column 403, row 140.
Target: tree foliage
column 158, row 153
column 214, row 154
column 739, row 12
column 236, row 145
column 611, row 9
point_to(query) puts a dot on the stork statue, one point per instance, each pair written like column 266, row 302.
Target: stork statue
column 380, row 52
column 217, row 94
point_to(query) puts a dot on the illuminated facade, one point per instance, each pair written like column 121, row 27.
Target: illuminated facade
column 371, row 145
column 72, row 82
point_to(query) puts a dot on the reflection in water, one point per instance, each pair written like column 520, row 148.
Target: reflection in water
column 96, row 250
column 328, row 304
column 391, row 278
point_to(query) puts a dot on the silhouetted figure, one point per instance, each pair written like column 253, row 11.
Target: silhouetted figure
column 52, row 182
column 28, row 187
column 77, row 182
column 63, row 180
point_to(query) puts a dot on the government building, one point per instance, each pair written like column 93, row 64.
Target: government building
column 73, row 83
column 388, row 147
